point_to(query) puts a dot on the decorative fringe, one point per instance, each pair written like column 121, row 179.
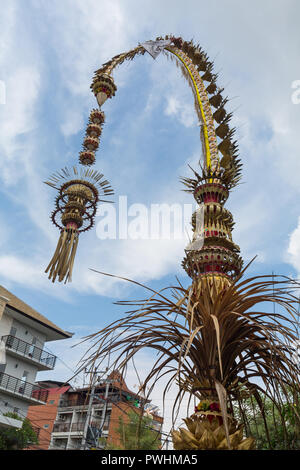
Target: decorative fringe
column 214, row 283
column 204, row 434
column 61, row 264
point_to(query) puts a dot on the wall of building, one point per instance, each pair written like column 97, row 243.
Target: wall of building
column 16, row 366
column 43, row 416
column 25, row 332
column 5, row 324
column 122, row 410
column 13, row 404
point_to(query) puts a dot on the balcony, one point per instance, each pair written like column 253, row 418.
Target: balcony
column 28, row 351
column 59, row 444
column 80, row 401
column 18, row 388
column 84, row 401
column 77, row 427
column 62, row 427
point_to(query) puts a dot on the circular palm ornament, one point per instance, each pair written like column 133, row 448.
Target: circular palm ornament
column 75, row 209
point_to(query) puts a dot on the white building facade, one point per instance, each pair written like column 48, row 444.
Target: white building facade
column 23, row 334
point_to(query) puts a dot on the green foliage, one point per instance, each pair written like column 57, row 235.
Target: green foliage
column 281, row 428
column 103, row 444
column 137, row 434
column 16, row 439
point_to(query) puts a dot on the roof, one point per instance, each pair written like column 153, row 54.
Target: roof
column 52, row 384
column 17, row 304
column 117, row 382
column 58, row 390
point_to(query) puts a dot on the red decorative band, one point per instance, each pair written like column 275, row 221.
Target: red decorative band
column 72, row 225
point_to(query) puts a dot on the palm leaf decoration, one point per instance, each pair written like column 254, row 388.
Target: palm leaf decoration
column 215, row 339
column 205, row 337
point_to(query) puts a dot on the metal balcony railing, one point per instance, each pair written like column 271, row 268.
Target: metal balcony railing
column 30, row 351
column 59, row 446
column 79, row 426
column 76, row 402
column 62, row 427
column 26, row 389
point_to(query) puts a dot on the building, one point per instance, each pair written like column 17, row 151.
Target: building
column 43, row 416
column 111, row 399
column 23, row 334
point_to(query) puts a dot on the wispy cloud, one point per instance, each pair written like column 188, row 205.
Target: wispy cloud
column 49, row 97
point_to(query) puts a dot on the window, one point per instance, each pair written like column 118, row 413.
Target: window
column 16, row 410
column 62, row 417
column 32, row 346
column 46, row 426
column 13, row 331
column 23, row 382
column 51, row 402
column 25, row 376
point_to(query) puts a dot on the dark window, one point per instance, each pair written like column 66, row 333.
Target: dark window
column 13, row 331
column 25, row 376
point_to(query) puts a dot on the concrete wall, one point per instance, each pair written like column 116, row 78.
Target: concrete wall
column 5, row 324
column 15, row 366
column 8, row 403
column 24, row 332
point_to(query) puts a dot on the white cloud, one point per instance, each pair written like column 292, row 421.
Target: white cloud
column 79, row 37
column 18, row 119
column 73, row 123
column 29, row 272
column 183, row 111
column 293, row 249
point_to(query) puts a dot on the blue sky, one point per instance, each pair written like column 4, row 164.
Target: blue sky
column 48, row 53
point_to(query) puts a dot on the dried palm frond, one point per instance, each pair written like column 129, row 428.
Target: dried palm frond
column 206, row 336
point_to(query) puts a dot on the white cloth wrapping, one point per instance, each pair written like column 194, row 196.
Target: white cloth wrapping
column 155, row 47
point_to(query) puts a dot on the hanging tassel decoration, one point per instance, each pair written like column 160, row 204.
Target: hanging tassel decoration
column 62, row 262
column 74, row 213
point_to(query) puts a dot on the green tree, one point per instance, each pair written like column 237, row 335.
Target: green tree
column 282, row 421
column 17, row 439
column 137, row 433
